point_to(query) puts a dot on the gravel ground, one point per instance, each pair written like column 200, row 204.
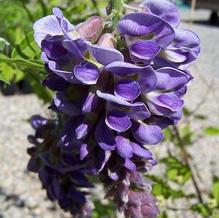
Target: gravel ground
column 20, row 192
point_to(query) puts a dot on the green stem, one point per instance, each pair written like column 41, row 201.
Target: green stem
column 187, row 162
column 117, row 9
column 44, row 8
column 29, row 14
column 95, row 4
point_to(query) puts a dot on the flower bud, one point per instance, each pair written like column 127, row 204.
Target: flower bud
column 91, row 28
column 107, row 40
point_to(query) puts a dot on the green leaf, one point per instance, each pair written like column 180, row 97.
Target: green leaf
column 168, row 134
column 186, row 112
column 215, row 214
column 215, row 190
column 161, row 188
column 19, row 75
column 6, row 73
column 163, row 215
column 22, row 63
column 187, row 135
column 200, row 117
column 176, row 170
column 103, row 210
column 211, row 130
column 18, row 36
column 202, row 209
column 27, row 49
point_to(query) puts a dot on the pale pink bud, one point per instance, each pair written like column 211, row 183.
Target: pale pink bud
column 91, row 28
column 107, row 40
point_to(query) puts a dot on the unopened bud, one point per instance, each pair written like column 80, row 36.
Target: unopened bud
column 107, row 40
column 91, row 28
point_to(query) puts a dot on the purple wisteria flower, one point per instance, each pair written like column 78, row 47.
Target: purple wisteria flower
column 113, row 96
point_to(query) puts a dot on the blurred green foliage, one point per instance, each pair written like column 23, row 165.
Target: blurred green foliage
column 19, row 54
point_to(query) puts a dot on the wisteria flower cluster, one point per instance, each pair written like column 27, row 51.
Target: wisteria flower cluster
column 114, row 93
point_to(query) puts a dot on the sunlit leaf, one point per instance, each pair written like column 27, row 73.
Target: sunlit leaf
column 187, row 135
column 212, row 130
column 200, row 117
column 27, row 49
column 6, row 73
column 163, row 215
column 215, row 190
column 103, row 210
column 176, row 170
column 161, row 188
column 202, row 209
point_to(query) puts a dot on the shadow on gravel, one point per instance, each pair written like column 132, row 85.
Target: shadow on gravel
column 12, row 199
column 22, row 87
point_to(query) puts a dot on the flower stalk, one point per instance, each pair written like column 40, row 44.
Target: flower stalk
column 117, row 9
column 186, row 160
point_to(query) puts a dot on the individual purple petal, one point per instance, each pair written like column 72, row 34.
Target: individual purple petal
column 139, row 112
column 48, row 25
column 113, row 175
column 107, row 155
column 55, row 83
column 187, row 39
column 147, row 25
column 68, row 29
column 123, row 147
column 118, row 121
column 170, row 78
column 53, row 48
column 174, row 55
column 163, row 9
column 123, row 68
column 144, row 51
column 127, row 89
column 79, row 179
column 87, row 73
column 44, row 57
column 33, row 165
column 83, row 151
column 140, row 151
column 147, row 80
column 117, row 99
column 73, row 47
column 181, row 52
column 147, row 134
column 38, row 121
column 67, row 135
column 105, row 137
column 180, row 92
column 130, row 165
column 65, row 105
column 175, row 117
column 58, row 12
column 67, row 75
column 164, row 104
column 104, row 55
column 161, row 121
column 81, row 130
column 91, row 103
